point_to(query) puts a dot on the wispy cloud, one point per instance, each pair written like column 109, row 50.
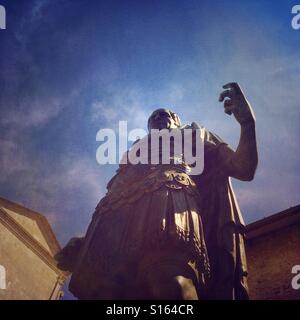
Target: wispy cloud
column 121, row 104
column 67, row 196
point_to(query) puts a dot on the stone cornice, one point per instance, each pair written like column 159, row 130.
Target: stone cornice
column 274, row 222
column 38, row 217
column 25, row 237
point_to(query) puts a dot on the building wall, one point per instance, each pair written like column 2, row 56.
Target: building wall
column 27, row 275
column 271, row 257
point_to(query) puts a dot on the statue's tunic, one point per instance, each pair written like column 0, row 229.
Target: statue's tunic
column 149, row 209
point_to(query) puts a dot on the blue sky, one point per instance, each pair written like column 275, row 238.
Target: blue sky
column 70, row 68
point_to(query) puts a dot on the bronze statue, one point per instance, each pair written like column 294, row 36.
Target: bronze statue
column 161, row 233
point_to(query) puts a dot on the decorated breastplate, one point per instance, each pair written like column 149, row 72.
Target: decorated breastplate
column 132, row 181
column 130, row 184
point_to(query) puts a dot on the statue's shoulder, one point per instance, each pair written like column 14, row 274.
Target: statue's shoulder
column 210, row 138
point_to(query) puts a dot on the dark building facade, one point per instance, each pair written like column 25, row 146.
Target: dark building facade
column 273, row 249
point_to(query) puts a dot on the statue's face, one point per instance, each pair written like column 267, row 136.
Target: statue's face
column 161, row 119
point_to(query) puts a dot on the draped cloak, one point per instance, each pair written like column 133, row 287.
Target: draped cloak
column 212, row 230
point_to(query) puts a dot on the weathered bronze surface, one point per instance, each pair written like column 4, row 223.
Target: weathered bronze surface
column 161, row 233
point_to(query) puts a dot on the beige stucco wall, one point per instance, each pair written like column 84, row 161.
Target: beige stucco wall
column 30, row 225
column 27, row 275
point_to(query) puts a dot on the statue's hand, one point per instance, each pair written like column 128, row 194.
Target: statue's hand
column 235, row 102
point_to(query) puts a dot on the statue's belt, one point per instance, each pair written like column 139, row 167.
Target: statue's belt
column 128, row 189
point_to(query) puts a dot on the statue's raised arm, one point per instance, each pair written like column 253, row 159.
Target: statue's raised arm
column 242, row 163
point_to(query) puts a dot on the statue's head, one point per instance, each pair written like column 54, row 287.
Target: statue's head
column 163, row 119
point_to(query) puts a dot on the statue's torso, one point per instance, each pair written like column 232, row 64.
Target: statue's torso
column 155, row 207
